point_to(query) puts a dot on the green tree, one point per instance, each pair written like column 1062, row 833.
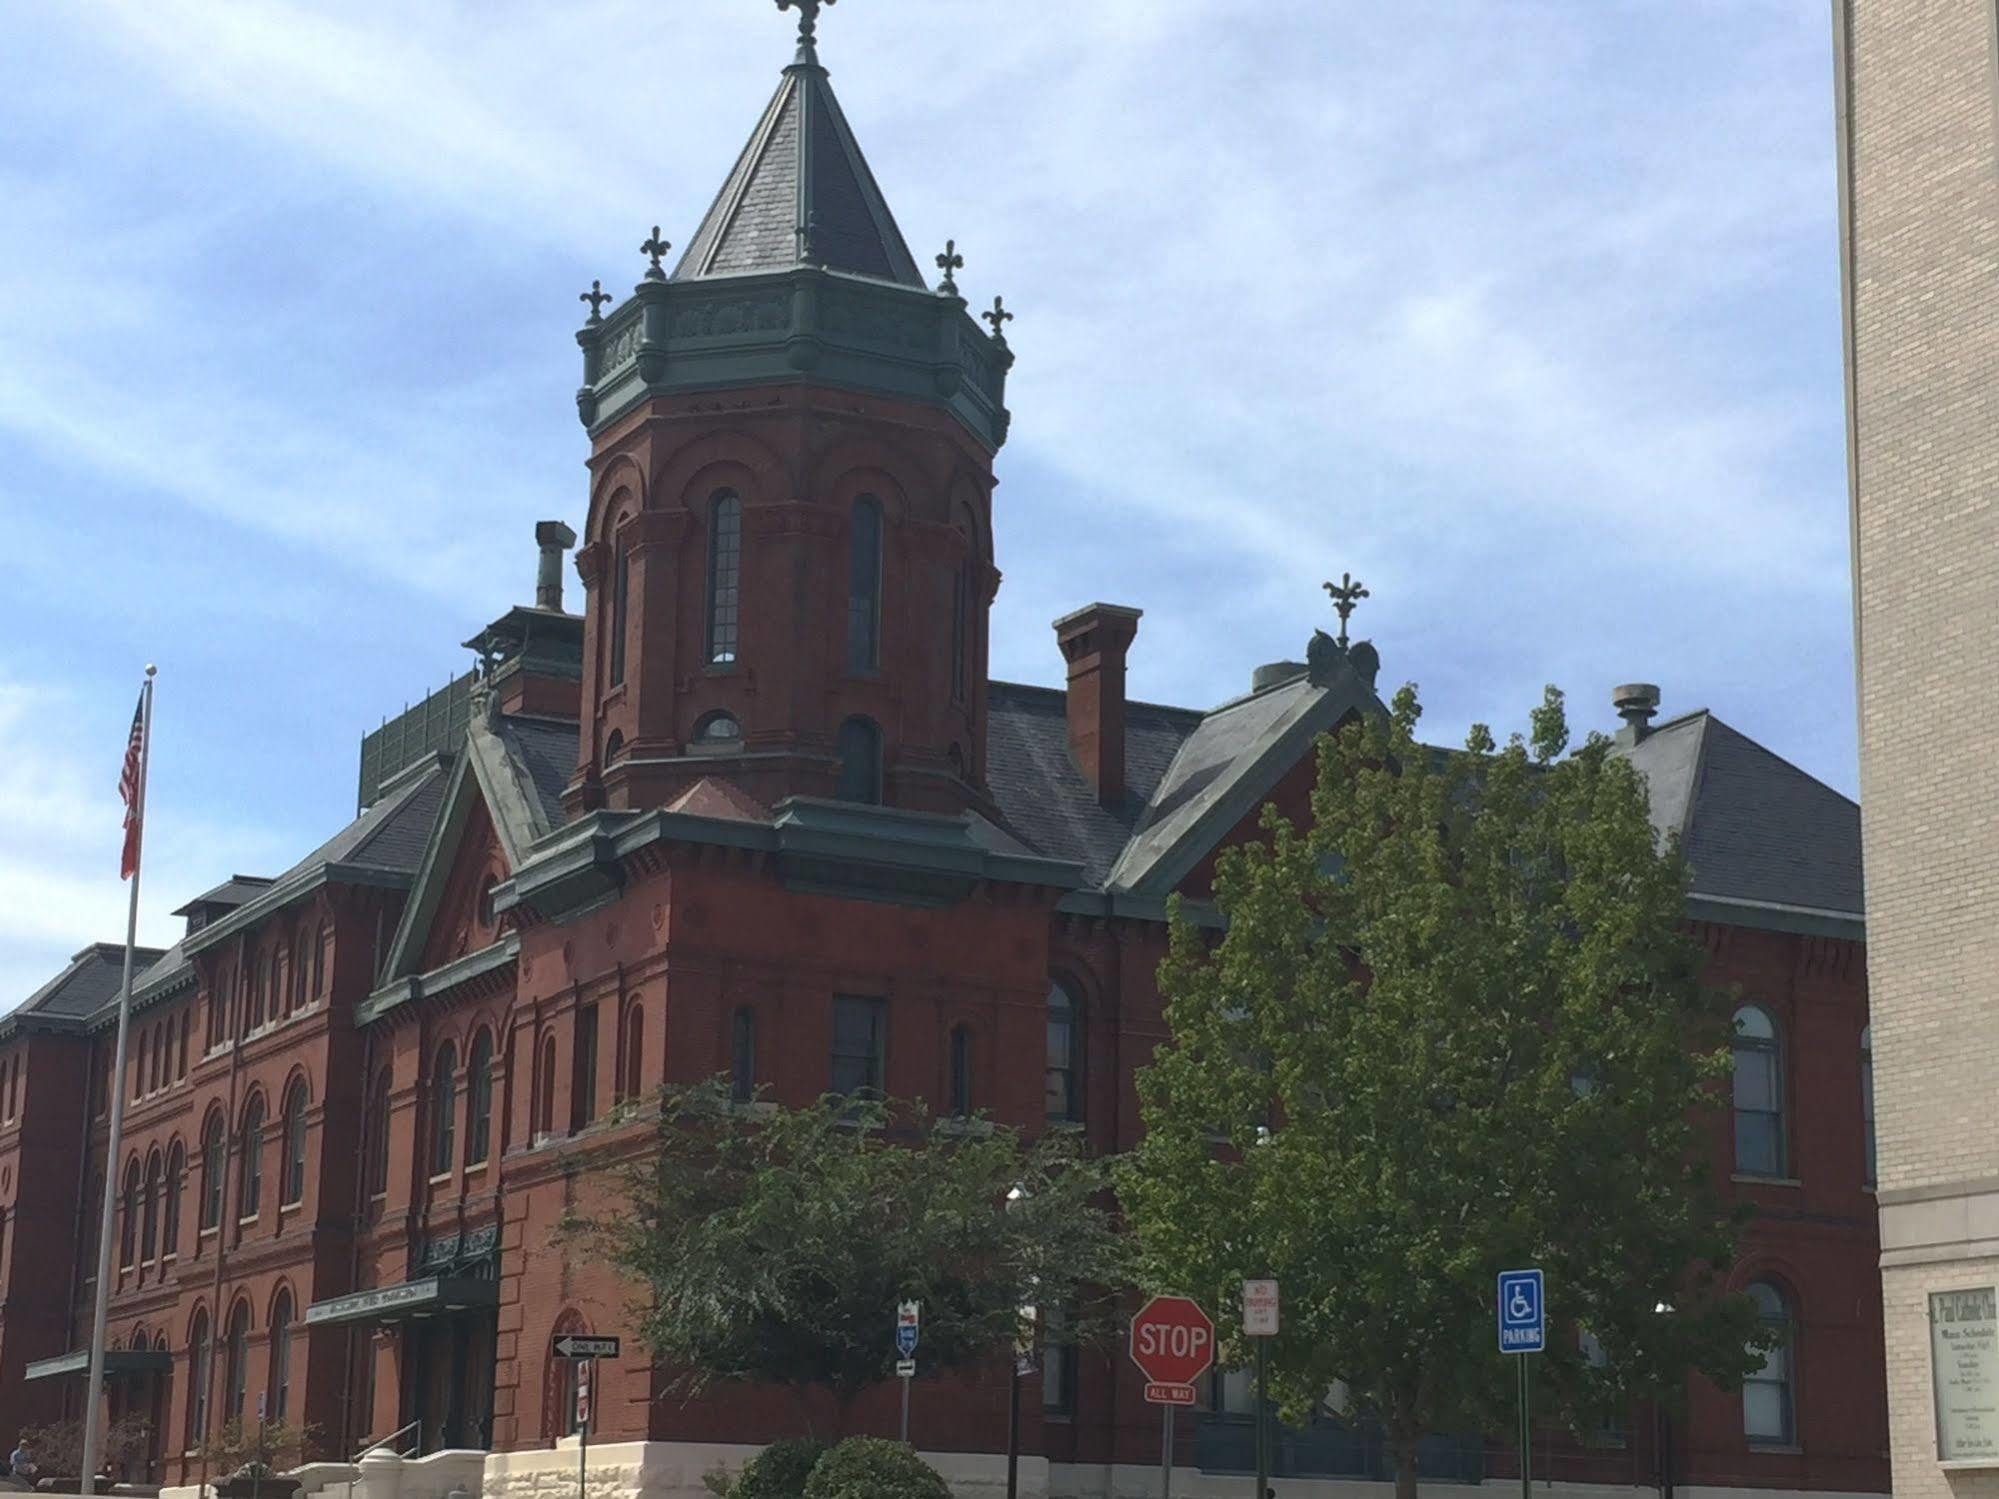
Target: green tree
column 1454, row 1026
column 776, row 1243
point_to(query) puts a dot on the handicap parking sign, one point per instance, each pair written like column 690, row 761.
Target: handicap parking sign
column 1523, row 1320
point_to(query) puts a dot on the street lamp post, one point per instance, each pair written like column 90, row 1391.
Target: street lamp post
column 1665, row 1431
column 1022, row 1363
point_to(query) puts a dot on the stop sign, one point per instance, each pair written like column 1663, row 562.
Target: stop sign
column 1172, row 1340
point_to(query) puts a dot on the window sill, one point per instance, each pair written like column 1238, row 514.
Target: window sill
column 1967, row 1464
column 1776, row 1449
column 440, row 1179
column 1066, row 1126
column 249, row 1220
column 1750, row 1179
column 473, row 1168
column 209, row 1232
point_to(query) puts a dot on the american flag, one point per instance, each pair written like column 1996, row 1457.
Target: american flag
column 128, row 789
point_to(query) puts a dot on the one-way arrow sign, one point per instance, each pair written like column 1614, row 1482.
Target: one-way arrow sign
column 576, row 1345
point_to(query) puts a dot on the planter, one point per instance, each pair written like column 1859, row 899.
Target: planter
column 277, row 1486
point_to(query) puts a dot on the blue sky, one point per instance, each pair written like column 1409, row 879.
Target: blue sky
column 1525, row 311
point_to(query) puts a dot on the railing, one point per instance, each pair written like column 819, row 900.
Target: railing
column 415, row 1446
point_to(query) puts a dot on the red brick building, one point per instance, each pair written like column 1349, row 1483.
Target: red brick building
column 758, row 810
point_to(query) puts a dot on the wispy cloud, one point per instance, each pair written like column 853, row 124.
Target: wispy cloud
column 1533, row 325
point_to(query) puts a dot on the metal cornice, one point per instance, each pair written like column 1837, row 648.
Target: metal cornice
column 440, row 980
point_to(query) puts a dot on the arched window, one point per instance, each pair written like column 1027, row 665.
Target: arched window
column 614, row 746
column 583, row 1072
column 961, row 1072
column 378, row 1135
column 197, row 1380
column 1768, row 1403
column 860, row 749
column 1759, row 1094
column 1867, row 1100
column 149, row 1230
column 718, row 731
column 621, row 586
column 864, row 585
column 129, row 1203
column 139, row 1069
column 211, row 1172
column 180, row 1045
column 961, row 628
column 743, row 1056
column 250, row 1189
column 236, row 1384
column 544, row 1088
column 634, row 1052
column 319, row 962
column 479, row 1099
column 443, row 1108
column 1064, row 1094
column 170, row 1211
column 294, row 1183
column 280, row 1382
column 725, row 563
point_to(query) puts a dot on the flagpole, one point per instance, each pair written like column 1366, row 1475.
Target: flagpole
column 93, row 1391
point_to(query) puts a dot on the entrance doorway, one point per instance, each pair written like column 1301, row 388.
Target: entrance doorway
column 449, row 1379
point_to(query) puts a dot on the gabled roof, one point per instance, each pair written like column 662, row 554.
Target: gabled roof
column 1757, row 831
column 515, row 767
column 800, row 177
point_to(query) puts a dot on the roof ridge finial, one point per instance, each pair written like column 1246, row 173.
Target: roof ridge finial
column 808, row 29
column 1347, row 593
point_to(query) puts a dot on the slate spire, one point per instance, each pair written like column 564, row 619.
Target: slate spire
column 800, row 193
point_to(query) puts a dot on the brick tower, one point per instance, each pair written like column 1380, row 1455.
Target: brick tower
column 788, row 549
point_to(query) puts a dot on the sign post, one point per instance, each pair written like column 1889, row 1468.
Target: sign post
column 1259, row 1321
column 583, row 1350
column 908, row 1321
column 1173, row 1343
column 1523, row 1329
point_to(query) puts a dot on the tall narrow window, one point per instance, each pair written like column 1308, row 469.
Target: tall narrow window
column 544, row 1088
column 1768, row 1416
column 138, row 1088
column 725, row 566
column 197, row 1380
column 170, row 1209
column 743, row 1056
column 129, row 1204
column 859, row 747
column 250, row 1191
column 294, row 1182
column 280, row 1382
column 378, row 1136
column 211, row 1172
column 634, row 1052
column 961, row 628
column 1759, row 1094
column 621, row 583
column 857, row 1045
column 1867, row 1101
column 583, row 1078
column 479, row 1099
column 149, row 1229
column 319, row 962
column 443, row 1109
column 1058, row 1362
column 961, row 1072
column 237, row 1369
column 1064, row 1098
column 864, row 585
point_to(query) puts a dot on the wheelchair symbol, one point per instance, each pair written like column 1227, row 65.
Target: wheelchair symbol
column 1520, row 1306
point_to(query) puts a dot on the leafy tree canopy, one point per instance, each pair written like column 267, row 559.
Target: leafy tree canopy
column 776, row 1242
column 1454, row 1026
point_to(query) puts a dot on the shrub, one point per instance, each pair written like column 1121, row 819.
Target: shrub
column 874, row 1468
column 779, row 1471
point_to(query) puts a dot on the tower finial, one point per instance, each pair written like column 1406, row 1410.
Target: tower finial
column 808, row 28
column 653, row 249
column 999, row 317
column 1347, row 593
column 596, row 297
column 950, row 262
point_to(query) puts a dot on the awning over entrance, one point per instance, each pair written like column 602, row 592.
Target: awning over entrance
column 413, row 1298
column 117, row 1361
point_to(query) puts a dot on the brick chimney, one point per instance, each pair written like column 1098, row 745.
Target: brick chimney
column 1094, row 642
column 553, row 538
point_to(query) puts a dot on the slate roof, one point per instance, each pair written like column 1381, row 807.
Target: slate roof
column 546, row 750
column 234, row 891
column 801, row 167
column 1755, row 828
column 1045, row 798
column 90, row 982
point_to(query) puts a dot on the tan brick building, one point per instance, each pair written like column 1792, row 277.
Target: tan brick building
column 1918, row 112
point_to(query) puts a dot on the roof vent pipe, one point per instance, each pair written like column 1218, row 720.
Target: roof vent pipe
column 1635, row 702
column 554, row 538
